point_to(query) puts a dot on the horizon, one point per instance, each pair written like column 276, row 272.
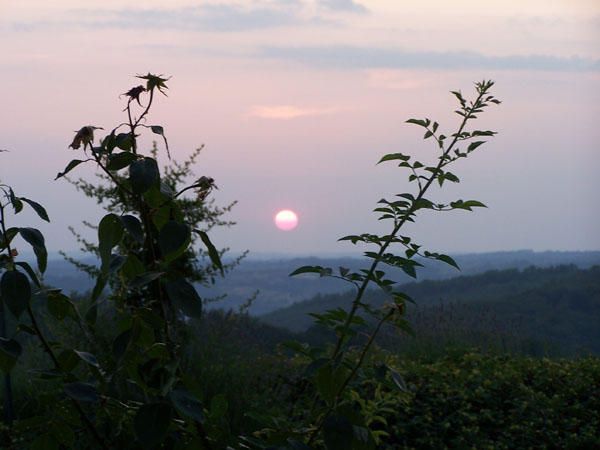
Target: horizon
column 286, row 95
column 275, row 256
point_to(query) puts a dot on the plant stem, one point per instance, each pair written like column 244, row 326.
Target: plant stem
column 397, row 227
column 349, row 378
column 398, row 224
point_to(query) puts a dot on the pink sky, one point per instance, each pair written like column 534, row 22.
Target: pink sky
column 296, row 101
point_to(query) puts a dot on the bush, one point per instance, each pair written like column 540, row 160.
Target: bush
column 473, row 400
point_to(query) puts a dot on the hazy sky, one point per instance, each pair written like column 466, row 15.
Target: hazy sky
column 296, row 100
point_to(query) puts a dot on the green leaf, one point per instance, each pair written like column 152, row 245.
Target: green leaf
column 473, row 204
column 30, row 272
column 173, row 239
column 88, row 358
column 394, row 157
column 143, row 279
column 143, row 174
column 110, row 233
column 409, row 270
column 74, row 163
column 151, row 424
column 212, row 251
column 16, row 202
column 10, row 350
column 96, row 292
column 451, row 177
column 398, row 380
column 134, row 227
column 161, row 216
column 448, row 260
column 82, row 392
column 15, row 291
column 124, row 141
column 132, row 267
column 36, row 240
column 187, row 405
column 157, row 129
column 337, row 433
column 39, row 209
column 184, row 296
column 421, row 123
column 59, row 305
column 322, row 271
column 5, row 240
column 461, row 204
column 473, row 145
column 118, row 161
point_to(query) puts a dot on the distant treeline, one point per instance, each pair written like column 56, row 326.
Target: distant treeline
column 553, row 311
column 276, row 290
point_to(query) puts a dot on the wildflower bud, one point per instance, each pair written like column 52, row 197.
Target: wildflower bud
column 84, row 136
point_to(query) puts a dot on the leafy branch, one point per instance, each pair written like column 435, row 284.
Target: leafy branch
column 400, row 211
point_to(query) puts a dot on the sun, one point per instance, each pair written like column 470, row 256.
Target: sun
column 286, row 220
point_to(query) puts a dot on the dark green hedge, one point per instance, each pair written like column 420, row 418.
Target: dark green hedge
column 495, row 402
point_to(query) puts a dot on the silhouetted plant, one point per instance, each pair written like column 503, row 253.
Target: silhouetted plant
column 335, row 418
column 200, row 212
column 16, row 295
column 144, row 244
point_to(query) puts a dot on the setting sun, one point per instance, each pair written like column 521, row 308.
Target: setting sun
column 286, row 220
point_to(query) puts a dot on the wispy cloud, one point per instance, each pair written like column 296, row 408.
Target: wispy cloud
column 213, row 17
column 344, row 5
column 348, row 57
column 208, row 17
column 287, row 112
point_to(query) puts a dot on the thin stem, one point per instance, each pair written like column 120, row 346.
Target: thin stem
column 349, row 378
column 337, row 352
column 398, row 226
column 152, row 256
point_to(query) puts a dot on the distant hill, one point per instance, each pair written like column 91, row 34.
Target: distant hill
column 277, row 290
column 557, row 306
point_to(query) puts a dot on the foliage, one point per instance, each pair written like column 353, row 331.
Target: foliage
column 333, row 419
column 132, row 393
column 199, row 211
column 476, row 401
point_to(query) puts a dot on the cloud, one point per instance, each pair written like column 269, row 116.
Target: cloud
column 348, row 57
column 343, row 5
column 215, row 17
column 209, row 17
column 287, row 112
